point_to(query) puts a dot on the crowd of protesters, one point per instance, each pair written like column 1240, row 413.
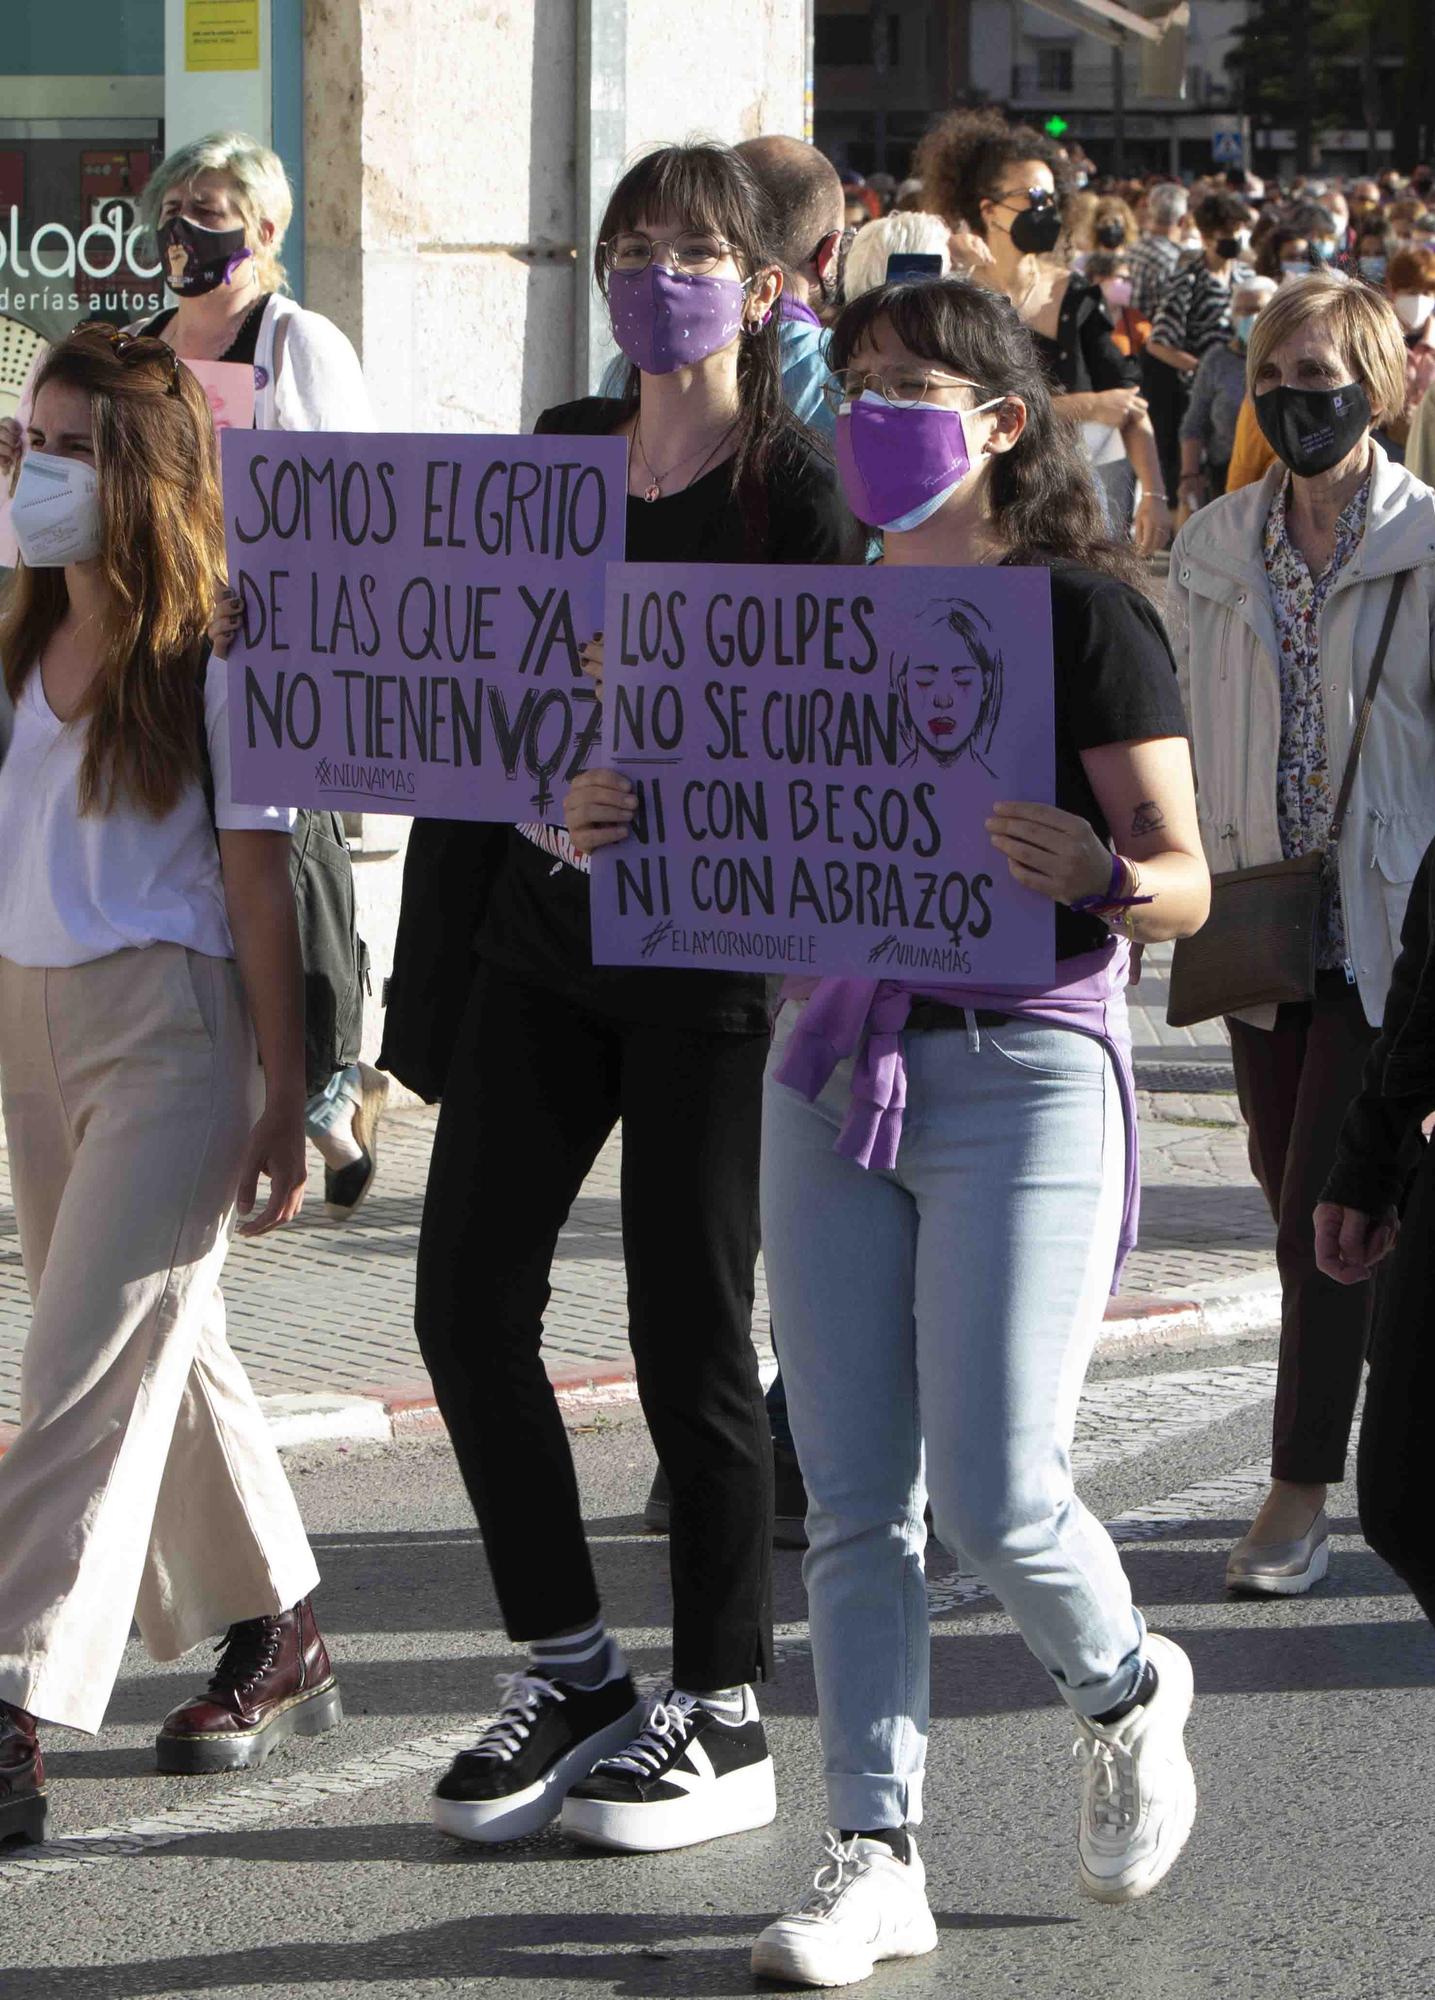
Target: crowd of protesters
column 1059, row 373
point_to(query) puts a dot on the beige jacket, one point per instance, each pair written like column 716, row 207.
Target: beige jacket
column 1222, row 626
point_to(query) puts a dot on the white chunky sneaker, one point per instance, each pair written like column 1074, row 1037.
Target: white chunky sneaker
column 866, row 1905
column 1138, row 1798
column 687, row 1776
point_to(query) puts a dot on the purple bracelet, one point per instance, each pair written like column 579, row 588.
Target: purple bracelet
column 1095, row 906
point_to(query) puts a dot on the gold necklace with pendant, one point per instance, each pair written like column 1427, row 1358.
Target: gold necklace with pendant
column 654, row 489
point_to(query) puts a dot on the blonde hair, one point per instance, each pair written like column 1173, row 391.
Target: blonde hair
column 1367, row 335
column 1112, row 208
column 261, row 192
column 1078, row 215
column 906, row 232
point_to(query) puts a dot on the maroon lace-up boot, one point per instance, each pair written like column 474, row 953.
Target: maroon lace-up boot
column 22, row 1777
column 273, row 1681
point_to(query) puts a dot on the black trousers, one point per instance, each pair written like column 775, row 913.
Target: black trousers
column 1167, row 393
column 535, row 1088
column 1294, row 1083
column 1393, row 1457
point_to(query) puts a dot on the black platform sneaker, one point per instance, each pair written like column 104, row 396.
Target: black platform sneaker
column 547, row 1735
column 689, row 1776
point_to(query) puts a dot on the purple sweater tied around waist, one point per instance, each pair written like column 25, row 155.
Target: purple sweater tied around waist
column 864, row 1019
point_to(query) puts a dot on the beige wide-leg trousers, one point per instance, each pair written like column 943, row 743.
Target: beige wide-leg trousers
column 143, row 1482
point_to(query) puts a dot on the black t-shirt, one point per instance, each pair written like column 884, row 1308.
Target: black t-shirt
column 1115, row 683
column 537, row 922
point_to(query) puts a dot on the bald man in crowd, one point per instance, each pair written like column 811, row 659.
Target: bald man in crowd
column 807, row 194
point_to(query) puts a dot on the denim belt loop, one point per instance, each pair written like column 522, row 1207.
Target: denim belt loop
column 974, row 1033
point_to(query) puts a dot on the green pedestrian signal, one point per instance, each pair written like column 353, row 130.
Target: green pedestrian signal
column 1056, row 125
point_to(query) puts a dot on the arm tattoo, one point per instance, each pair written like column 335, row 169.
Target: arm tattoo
column 1148, row 818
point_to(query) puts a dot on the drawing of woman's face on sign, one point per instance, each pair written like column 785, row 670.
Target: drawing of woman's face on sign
column 950, row 686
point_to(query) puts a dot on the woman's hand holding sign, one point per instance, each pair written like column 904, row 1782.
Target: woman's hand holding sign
column 590, row 653
column 1146, row 798
column 1056, row 853
column 598, row 809
column 600, row 804
column 224, row 623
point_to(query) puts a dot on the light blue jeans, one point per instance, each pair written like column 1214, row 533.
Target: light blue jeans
column 956, row 1299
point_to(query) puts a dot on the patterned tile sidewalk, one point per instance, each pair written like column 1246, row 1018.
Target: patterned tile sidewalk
column 325, row 1308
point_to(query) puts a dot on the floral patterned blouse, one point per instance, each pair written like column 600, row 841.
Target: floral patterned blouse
column 1305, row 788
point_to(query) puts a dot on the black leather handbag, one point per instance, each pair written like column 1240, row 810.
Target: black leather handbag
column 1257, row 947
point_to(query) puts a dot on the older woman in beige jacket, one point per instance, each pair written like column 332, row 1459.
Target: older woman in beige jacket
column 1276, row 599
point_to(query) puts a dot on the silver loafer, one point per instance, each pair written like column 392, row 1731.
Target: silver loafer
column 1280, row 1569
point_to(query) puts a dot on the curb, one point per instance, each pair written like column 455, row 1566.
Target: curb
column 1133, row 1326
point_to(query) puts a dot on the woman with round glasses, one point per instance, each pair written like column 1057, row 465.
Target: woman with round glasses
column 1004, row 188
column 552, row 1051
column 949, row 1174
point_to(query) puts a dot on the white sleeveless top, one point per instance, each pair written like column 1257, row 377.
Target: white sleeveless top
column 74, row 889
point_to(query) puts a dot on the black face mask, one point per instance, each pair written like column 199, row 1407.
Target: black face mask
column 1035, row 231
column 1228, row 246
column 1310, row 430
column 1111, row 235
column 210, row 255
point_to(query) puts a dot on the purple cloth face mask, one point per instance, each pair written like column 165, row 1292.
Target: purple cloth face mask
column 664, row 321
column 898, row 466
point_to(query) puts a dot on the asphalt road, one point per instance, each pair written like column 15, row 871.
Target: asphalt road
column 1308, row 1876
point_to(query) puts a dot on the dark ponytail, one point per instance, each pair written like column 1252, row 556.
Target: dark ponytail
column 1044, row 504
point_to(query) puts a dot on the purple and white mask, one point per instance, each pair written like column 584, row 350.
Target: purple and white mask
column 898, row 466
column 665, row 320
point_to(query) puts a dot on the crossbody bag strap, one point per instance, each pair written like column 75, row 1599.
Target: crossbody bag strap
column 1377, row 668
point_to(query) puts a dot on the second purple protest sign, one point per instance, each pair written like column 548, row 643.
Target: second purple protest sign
column 413, row 609
column 816, row 752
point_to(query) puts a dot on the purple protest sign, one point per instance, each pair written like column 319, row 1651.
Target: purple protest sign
column 816, row 752
column 413, row 609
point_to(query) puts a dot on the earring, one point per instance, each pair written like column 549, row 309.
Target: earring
column 752, row 326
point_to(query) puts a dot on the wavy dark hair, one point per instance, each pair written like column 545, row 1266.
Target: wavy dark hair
column 961, row 161
column 1043, row 503
column 162, row 559
column 708, row 186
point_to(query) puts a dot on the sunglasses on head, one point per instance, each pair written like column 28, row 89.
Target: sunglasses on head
column 142, row 347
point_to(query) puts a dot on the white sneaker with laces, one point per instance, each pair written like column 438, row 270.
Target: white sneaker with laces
column 866, row 1905
column 1138, row 1798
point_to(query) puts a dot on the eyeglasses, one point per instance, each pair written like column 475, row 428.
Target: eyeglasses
column 900, row 388
column 143, row 347
column 695, row 252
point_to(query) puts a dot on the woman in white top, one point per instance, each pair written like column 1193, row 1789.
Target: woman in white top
column 219, row 208
column 148, row 942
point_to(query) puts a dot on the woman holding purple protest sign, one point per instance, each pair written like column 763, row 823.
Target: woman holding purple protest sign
column 937, row 1281
column 546, row 1052
column 147, row 944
